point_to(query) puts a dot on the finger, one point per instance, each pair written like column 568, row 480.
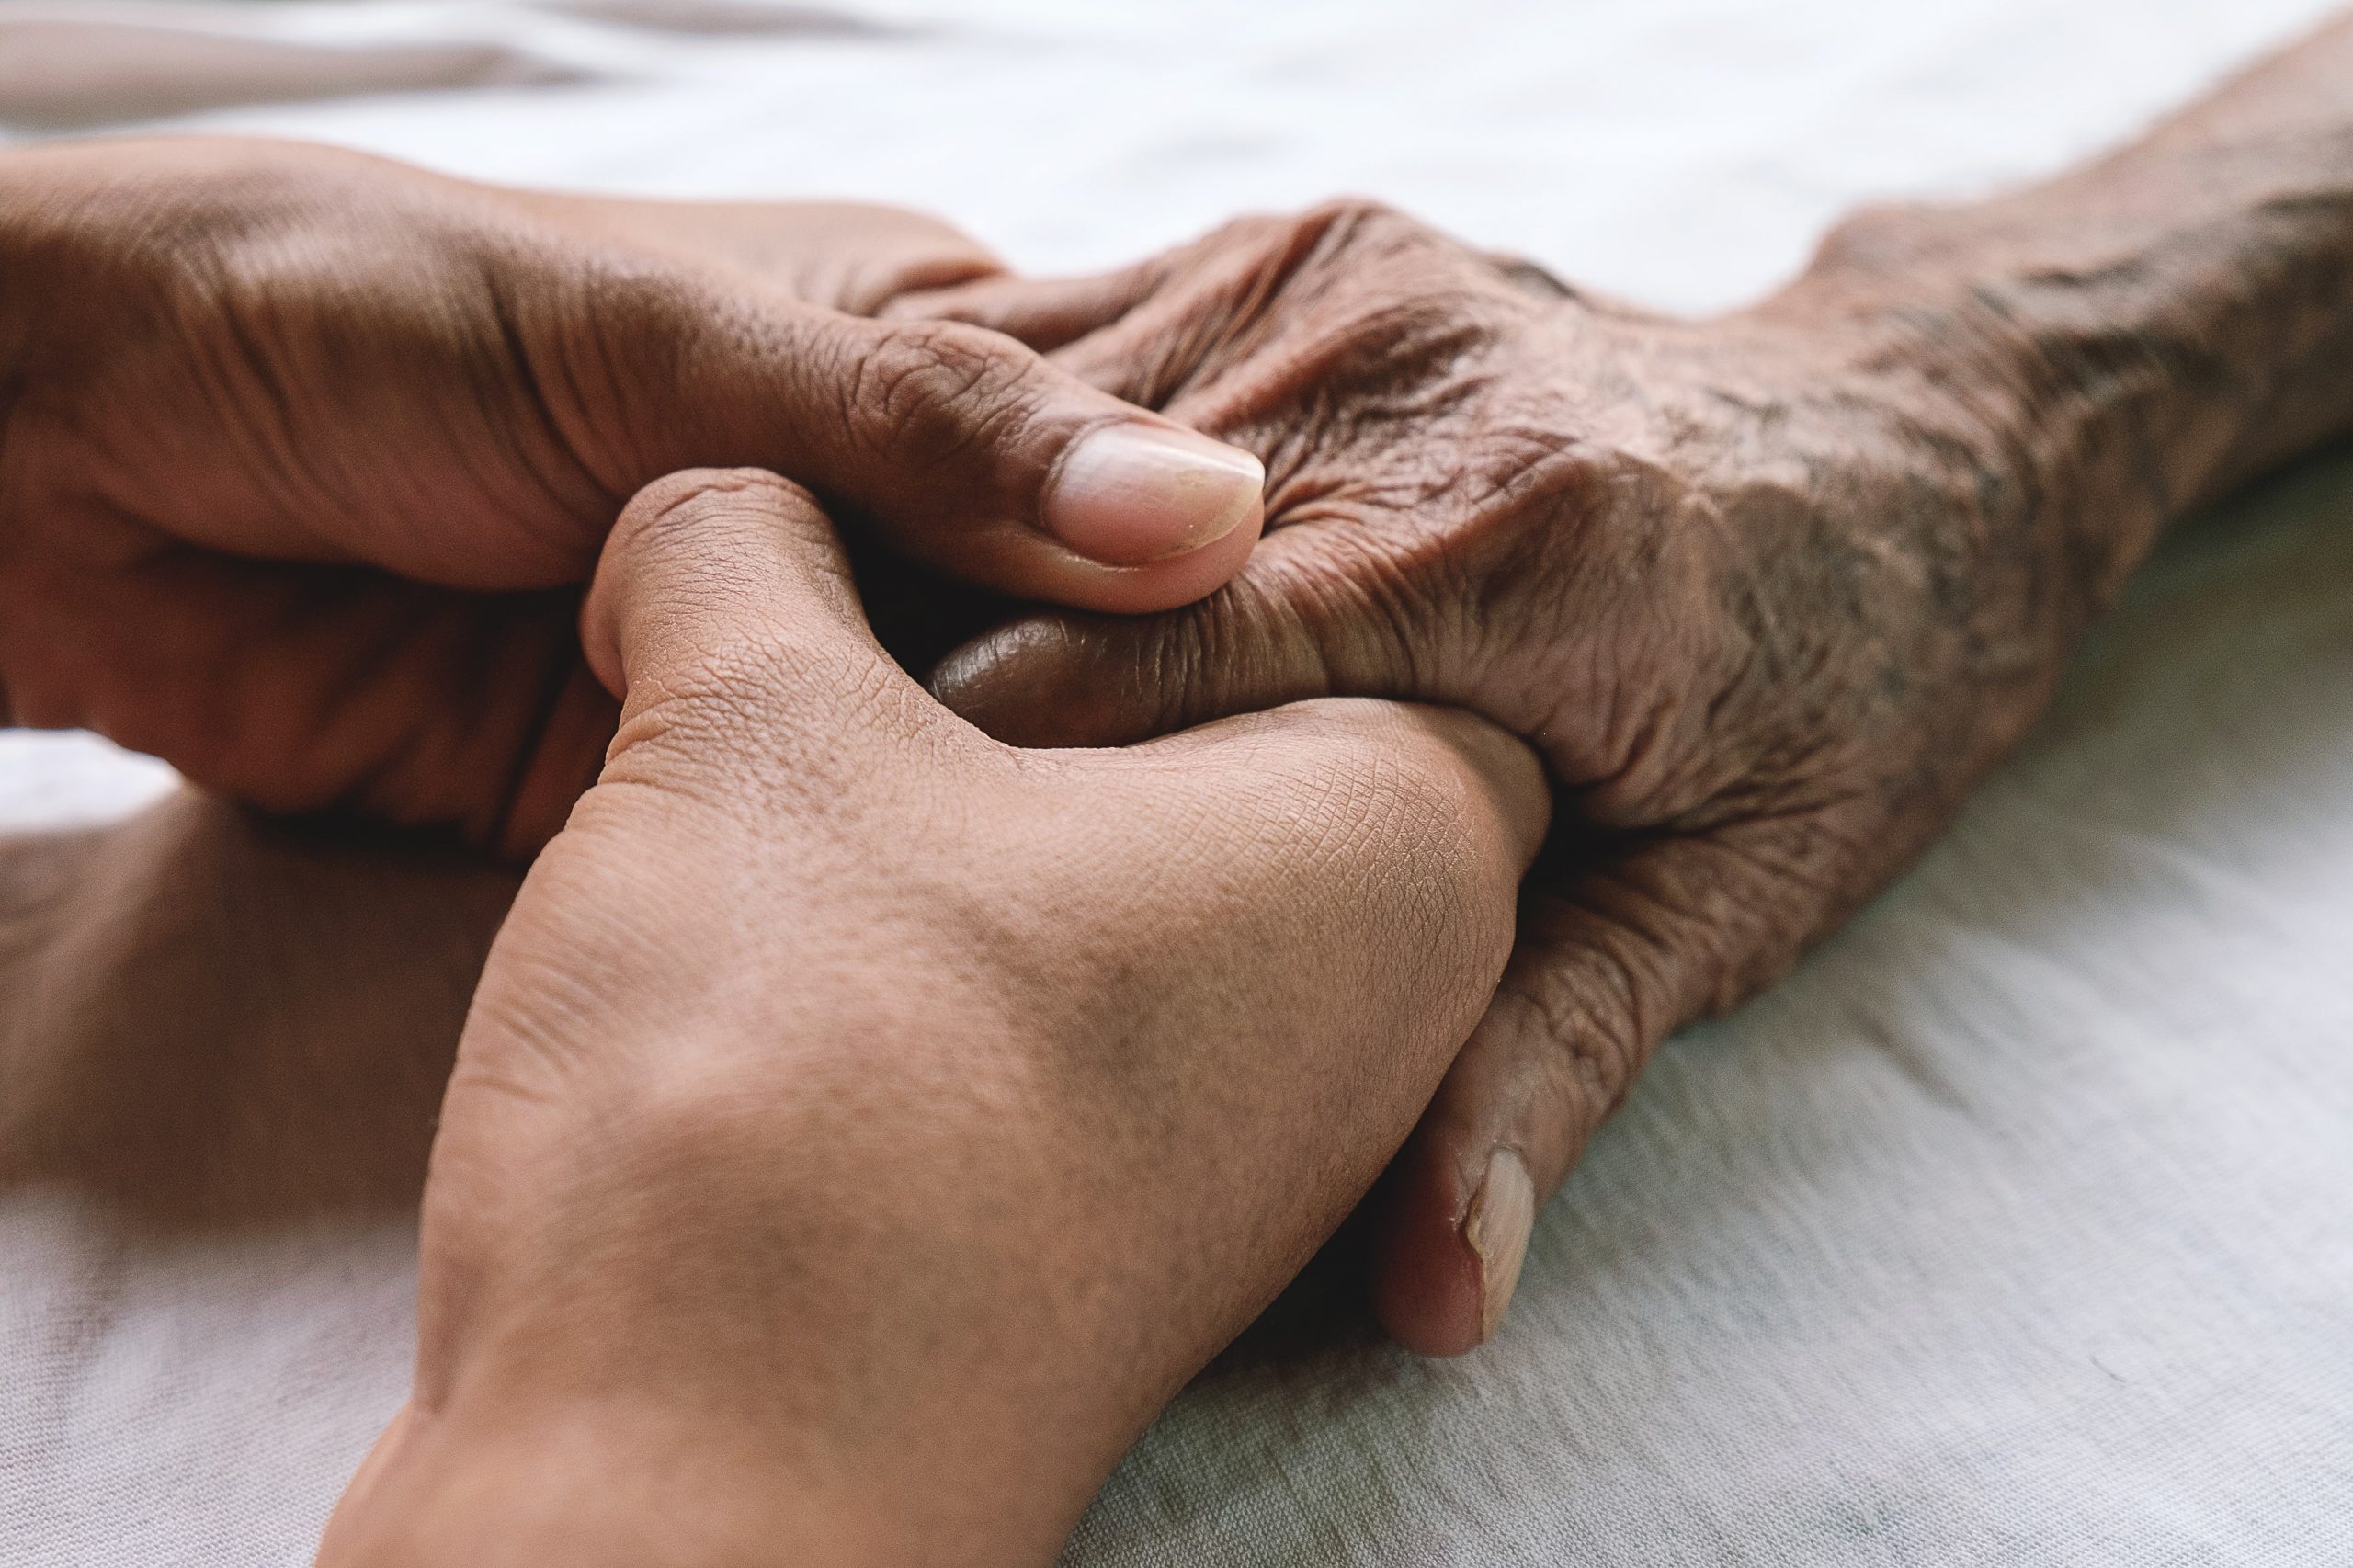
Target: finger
column 1043, row 312
column 1291, row 627
column 1161, row 332
column 1606, row 965
column 1165, row 333
column 845, row 255
column 967, row 449
column 853, row 256
column 731, row 588
column 306, row 689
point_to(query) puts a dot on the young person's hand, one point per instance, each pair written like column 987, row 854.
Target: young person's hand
column 304, row 455
column 862, row 1127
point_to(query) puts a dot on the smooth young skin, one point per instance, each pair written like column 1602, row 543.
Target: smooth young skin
column 863, row 1127
column 1769, row 593
column 304, row 455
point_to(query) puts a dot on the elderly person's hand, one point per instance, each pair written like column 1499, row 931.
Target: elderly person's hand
column 863, row 1127
column 303, row 455
column 1768, row 593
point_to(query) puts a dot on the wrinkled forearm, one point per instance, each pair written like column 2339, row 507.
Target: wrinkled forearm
column 2144, row 333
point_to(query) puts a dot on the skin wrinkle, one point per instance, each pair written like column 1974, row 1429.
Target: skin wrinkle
column 267, row 360
column 1586, row 1022
column 324, row 598
column 532, row 382
column 235, row 379
column 558, row 683
column 610, row 377
column 1267, row 284
column 1799, row 681
column 924, row 364
column 1773, row 591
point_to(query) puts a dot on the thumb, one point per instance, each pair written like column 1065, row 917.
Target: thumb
column 968, row 450
column 1047, row 313
column 729, row 587
column 1610, row 960
column 1294, row 625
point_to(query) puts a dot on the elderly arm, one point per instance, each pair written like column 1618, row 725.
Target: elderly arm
column 2140, row 334
column 1769, row 593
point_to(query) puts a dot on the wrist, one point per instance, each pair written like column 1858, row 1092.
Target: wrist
column 699, row 1269
column 2136, row 338
column 2089, row 398
column 2045, row 453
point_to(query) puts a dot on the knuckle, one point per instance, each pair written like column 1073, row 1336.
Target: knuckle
column 776, row 726
column 245, row 225
column 1290, row 241
column 1277, row 636
column 1529, row 276
column 694, row 499
column 1386, row 252
column 1587, row 1018
column 702, row 517
column 1387, row 610
column 1207, row 656
column 1357, row 216
column 1881, row 238
column 765, row 672
column 931, row 390
column 1246, row 234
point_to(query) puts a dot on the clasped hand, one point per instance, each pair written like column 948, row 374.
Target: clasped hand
column 855, row 1108
column 863, row 1127
column 864, row 1123
column 307, row 454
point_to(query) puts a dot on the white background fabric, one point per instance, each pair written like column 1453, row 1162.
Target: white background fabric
column 2013, row 1229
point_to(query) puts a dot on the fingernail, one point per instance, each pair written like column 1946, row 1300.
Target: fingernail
column 1134, row 492
column 1503, row 1213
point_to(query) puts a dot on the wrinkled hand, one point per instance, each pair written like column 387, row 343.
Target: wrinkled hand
column 1753, row 588
column 306, row 454
column 863, row 1127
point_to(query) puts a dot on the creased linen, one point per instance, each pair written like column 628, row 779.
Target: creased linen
column 2011, row 1229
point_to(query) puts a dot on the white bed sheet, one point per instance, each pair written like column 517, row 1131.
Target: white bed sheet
column 2013, row 1229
